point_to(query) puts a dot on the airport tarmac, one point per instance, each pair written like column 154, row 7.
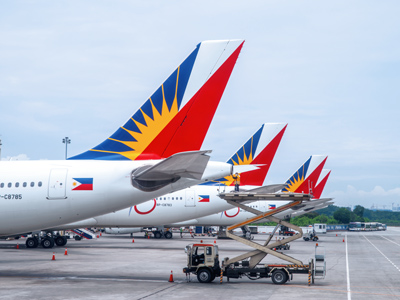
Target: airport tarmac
column 360, row 265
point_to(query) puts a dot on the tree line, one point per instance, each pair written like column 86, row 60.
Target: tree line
column 343, row 215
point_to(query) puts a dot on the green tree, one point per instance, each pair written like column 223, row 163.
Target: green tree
column 342, row 215
column 359, row 211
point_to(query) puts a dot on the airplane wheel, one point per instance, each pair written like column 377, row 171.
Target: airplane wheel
column 60, row 241
column 168, row 235
column 157, row 235
column 47, row 242
column 315, row 239
column 77, row 238
column 31, row 243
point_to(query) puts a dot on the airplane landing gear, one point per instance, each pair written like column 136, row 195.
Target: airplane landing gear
column 47, row 242
column 32, row 242
column 60, row 241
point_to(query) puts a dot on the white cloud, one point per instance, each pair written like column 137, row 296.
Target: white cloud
column 378, row 196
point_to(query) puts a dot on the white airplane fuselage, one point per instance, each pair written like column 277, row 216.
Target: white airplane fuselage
column 35, row 195
column 197, row 202
column 236, row 215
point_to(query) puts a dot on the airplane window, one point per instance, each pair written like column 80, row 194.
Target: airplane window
column 17, row 184
column 165, row 198
column 24, row 184
column 172, row 198
column 32, row 184
column 39, row 183
column 2, row 185
column 9, row 184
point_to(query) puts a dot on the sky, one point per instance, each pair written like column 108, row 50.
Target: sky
column 330, row 69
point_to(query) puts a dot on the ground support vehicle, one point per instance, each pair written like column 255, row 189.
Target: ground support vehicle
column 284, row 230
column 310, row 236
column 158, row 232
column 203, row 259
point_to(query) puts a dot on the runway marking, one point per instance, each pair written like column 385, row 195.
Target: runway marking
column 347, row 271
column 382, row 253
column 390, row 240
column 340, row 291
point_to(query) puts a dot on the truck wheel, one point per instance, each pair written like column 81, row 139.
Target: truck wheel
column 315, row 239
column 279, row 277
column 204, row 276
column 157, row 235
column 168, row 235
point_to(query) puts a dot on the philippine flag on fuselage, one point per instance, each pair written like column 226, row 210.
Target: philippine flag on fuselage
column 204, row 198
column 82, row 184
column 271, row 206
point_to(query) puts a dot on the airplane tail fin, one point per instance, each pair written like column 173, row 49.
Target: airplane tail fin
column 258, row 150
column 319, row 187
column 305, row 178
column 177, row 116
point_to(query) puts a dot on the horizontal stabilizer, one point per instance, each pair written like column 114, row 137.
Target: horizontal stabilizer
column 245, row 168
column 186, row 164
column 272, row 188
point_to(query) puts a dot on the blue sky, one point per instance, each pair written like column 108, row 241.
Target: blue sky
column 329, row 69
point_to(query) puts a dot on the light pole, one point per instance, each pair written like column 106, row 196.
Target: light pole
column 66, row 141
column 0, row 149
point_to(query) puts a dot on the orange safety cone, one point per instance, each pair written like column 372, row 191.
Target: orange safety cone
column 133, row 240
column 100, row 233
column 336, row 234
column 66, row 251
column 343, row 240
column 148, row 236
column 215, row 241
column 316, row 245
column 54, row 256
column 17, row 246
column 171, row 277
column 98, row 236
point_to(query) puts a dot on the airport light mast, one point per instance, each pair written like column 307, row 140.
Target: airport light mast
column 66, row 141
column 0, row 149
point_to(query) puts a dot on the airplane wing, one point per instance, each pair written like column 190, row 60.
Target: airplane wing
column 186, row 164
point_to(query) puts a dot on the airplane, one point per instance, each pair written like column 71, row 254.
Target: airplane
column 236, row 215
column 200, row 200
column 142, row 160
column 165, row 211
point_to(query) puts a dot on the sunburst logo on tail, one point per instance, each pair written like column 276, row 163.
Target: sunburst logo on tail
column 244, row 156
column 144, row 127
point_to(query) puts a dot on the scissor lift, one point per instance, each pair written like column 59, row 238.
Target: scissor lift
column 248, row 264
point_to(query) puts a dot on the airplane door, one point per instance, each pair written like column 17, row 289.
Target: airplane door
column 57, row 186
column 189, row 200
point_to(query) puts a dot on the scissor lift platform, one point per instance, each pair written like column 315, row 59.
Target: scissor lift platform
column 248, row 264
